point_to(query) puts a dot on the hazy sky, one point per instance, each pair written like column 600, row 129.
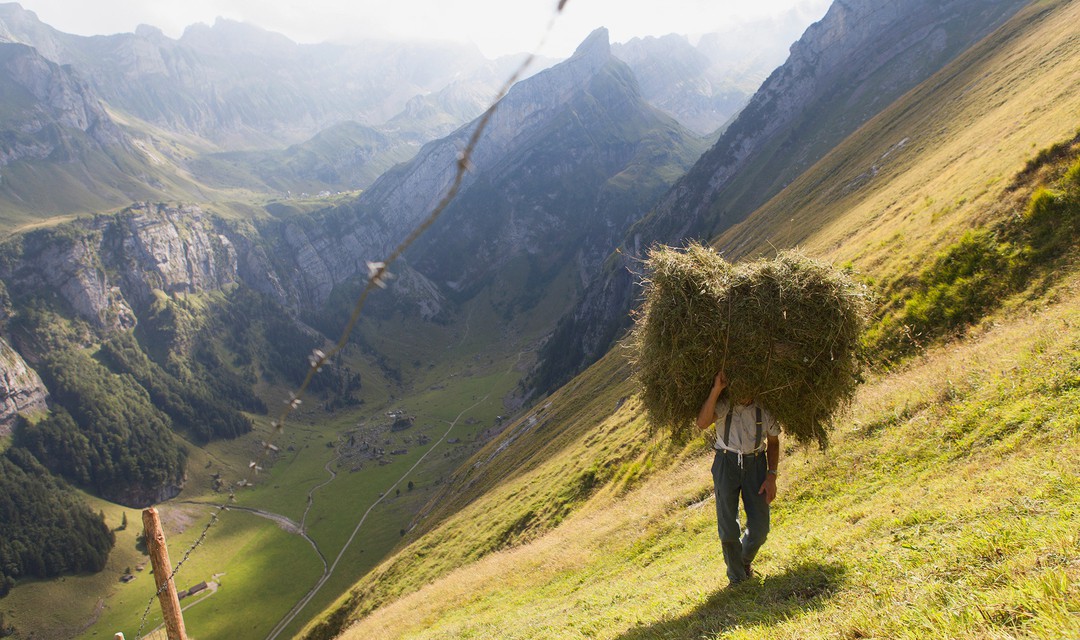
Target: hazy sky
column 497, row 26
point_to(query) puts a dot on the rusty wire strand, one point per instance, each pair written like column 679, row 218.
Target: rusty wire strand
column 176, row 569
column 378, row 273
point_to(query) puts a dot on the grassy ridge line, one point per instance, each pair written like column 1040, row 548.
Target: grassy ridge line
column 932, row 165
column 938, row 513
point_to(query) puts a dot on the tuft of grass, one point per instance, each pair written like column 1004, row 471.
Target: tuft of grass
column 980, row 271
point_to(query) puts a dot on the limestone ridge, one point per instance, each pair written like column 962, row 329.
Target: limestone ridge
column 567, row 183
column 847, row 67
column 408, row 193
column 20, row 26
column 327, row 252
column 21, row 389
column 107, row 268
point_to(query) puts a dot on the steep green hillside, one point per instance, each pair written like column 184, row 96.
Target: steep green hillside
column 937, row 513
column 946, row 506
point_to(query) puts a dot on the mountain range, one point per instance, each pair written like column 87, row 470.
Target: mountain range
column 856, row 61
column 233, row 107
column 144, row 347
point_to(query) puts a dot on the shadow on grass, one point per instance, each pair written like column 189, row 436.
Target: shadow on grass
column 803, row 587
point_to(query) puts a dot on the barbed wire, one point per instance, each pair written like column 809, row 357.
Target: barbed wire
column 378, row 275
column 187, row 554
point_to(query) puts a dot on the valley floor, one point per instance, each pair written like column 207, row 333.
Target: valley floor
column 948, row 506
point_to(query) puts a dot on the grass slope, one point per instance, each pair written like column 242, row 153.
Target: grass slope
column 933, row 164
column 938, row 511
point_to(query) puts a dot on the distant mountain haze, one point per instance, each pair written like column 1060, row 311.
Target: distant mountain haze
column 247, row 94
column 242, row 87
column 60, row 150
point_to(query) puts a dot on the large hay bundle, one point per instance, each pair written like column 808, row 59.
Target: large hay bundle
column 784, row 330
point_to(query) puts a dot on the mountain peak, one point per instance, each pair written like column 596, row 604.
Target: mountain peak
column 149, row 32
column 597, row 44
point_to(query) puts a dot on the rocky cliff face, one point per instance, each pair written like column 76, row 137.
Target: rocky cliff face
column 857, row 60
column 106, row 268
column 175, row 250
column 50, row 112
column 21, row 389
column 406, row 194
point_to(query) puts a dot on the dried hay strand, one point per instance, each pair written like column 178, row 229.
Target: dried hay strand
column 784, row 330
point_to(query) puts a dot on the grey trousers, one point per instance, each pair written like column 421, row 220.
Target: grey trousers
column 731, row 480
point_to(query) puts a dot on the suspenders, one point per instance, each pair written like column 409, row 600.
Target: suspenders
column 757, row 418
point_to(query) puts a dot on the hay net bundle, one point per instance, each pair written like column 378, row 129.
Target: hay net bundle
column 784, row 330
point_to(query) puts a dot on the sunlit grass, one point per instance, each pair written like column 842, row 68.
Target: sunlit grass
column 896, row 531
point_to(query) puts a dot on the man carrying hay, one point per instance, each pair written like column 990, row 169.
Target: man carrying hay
column 747, row 453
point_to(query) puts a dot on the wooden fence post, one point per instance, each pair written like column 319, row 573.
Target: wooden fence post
column 159, row 559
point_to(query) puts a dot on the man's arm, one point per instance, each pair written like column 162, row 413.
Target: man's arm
column 707, row 414
column 772, row 456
